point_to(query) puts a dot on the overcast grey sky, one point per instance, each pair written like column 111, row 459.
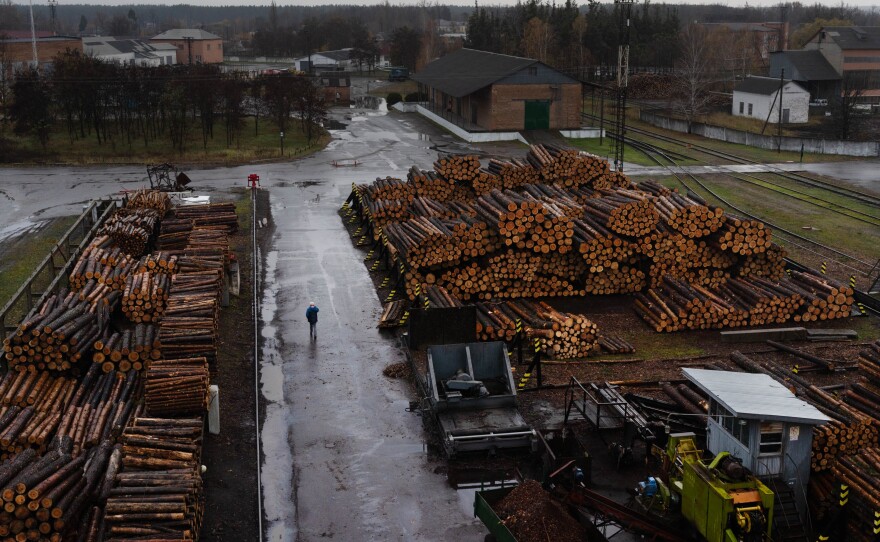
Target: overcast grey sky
column 861, row 3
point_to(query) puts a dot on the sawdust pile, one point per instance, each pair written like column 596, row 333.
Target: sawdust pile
column 532, row 516
column 397, row 370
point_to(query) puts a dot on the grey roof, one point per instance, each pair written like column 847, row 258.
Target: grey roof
column 467, row 70
column 737, row 27
column 811, row 64
column 186, row 33
column 99, row 46
column 853, row 37
column 759, row 85
column 338, row 55
column 754, row 396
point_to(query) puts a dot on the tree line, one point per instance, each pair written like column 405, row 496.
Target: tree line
column 124, row 105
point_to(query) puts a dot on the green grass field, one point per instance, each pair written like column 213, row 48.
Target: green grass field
column 28, row 250
column 248, row 147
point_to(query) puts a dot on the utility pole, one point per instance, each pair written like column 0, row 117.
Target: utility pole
column 622, row 84
column 53, row 5
column 779, row 124
column 189, row 47
column 34, row 37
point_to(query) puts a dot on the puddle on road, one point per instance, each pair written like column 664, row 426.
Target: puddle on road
column 334, row 124
column 277, row 469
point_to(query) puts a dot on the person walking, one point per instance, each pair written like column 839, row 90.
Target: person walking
column 312, row 317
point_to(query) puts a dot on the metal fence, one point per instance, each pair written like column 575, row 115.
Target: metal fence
column 52, row 273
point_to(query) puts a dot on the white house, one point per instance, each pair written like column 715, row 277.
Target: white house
column 758, row 98
column 130, row 51
column 340, row 60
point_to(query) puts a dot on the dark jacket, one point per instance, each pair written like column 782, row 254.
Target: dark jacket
column 312, row 314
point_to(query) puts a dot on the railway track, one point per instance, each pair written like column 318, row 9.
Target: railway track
column 800, row 178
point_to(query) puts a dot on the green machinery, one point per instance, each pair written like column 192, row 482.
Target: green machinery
column 721, row 499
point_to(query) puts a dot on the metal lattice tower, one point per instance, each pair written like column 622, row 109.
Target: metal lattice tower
column 622, row 83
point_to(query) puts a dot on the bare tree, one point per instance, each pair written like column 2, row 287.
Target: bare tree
column 5, row 80
column 845, row 109
column 692, row 74
column 536, row 39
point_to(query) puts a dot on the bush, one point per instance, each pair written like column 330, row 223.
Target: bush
column 416, row 97
column 393, row 98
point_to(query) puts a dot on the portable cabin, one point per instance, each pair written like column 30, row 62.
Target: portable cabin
column 761, row 422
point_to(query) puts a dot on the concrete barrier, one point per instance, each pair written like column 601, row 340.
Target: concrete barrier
column 793, row 144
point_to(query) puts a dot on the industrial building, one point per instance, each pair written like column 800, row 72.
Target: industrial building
column 193, row 45
column 482, row 91
column 130, row 51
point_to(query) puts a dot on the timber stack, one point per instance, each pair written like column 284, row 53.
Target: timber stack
column 144, row 296
column 218, row 216
column 62, row 331
column 132, row 349
column 177, row 387
column 157, row 493
column 513, row 173
column 742, row 236
column 149, row 199
column 174, row 233
column 104, row 267
column 864, row 394
column 687, row 216
column 462, row 169
column 861, row 474
column 626, row 212
column 132, row 230
column 429, row 184
column 826, row 298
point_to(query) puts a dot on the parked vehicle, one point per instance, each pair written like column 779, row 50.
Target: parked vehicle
column 398, row 74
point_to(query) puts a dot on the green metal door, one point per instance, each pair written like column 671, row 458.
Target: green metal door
column 537, row 115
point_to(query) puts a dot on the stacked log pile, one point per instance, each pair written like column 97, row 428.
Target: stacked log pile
column 31, row 406
column 144, row 296
column 526, row 222
column 826, row 298
column 600, row 247
column 174, row 233
column 694, row 261
column 220, row 216
column 132, row 349
column 177, row 387
column 688, row 217
column 132, row 229
column 62, row 331
column 626, row 212
column 463, row 169
column 149, row 199
column 189, row 326
column 864, row 394
column 769, row 264
column 743, row 237
column 427, row 242
column 513, row 173
column 615, row 344
column 431, row 185
column 861, row 474
column 565, row 167
column 158, row 493
column 111, row 268
column 44, row 497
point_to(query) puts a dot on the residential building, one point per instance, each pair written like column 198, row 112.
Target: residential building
column 450, row 27
column 483, row 91
column 320, row 61
column 758, row 98
column 130, row 51
column 810, row 69
column 854, row 53
column 193, row 45
column 18, row 52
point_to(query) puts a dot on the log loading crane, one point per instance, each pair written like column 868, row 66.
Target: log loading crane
column 720, row 499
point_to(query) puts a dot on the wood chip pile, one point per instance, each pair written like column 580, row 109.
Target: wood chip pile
column 532, row 516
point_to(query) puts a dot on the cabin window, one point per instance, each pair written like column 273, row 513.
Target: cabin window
column 750, row 109
column 741, row 108
column 771, row 438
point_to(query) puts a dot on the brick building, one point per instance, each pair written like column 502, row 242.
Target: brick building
column 336, row 87
column 483, row 91
column 854, row 53
column 17, row 53
column 193, row 45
